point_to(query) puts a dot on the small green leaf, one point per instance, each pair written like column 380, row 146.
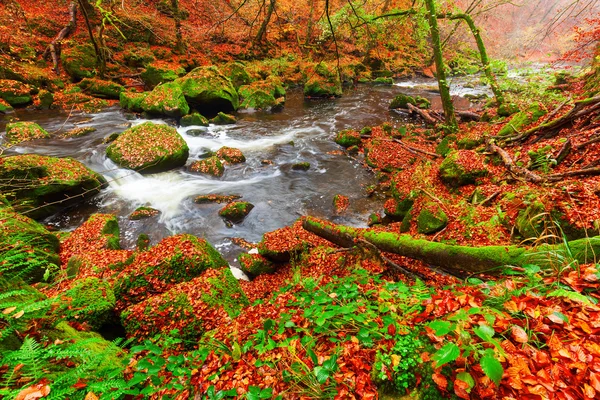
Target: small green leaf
column 440, row 327
column 485, row 332
column 492, row 367
column 446, row 354
column 561, row 316
column 466, row 377
column 322, row 374
column 268, row 324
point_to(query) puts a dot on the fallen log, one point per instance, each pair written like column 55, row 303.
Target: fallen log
column 423, row 113
column 452, row 258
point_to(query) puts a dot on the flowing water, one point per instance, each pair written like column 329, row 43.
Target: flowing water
column 303, row 131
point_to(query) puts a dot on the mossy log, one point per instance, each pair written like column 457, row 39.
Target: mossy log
column 455, row 258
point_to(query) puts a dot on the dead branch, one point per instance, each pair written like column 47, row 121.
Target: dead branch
column 422, row 113
column 510, row 165
column 467, row 116
column 564, row 151
column 489, row 198
column 570, row 174
column 53, row 48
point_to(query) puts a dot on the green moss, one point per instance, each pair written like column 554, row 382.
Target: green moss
column 507, row 109
column 91, row 300
column 5, row 107
column 254, row 265
column 401, row 101
column 211, row 166
column 443, row 148
column 132, row 101
column 265, row 94
column 45, row 99
column 236, row 211
column 166, row 99
column 523, row 119
column 322, row 81
column 226, row 292
column 374, row 219
column 231, row 155
column 348, row 138
column 215, row 198
column 429, row 222
column 237, row 74
column 301, row 166
column 223, row 119
column 138, row 55
column 462, row 167
column 143, row 213
column 207, row 88
column 149, row 148
column 16, row 93
column 154, row 75
column 193, row 119
column 79, row 61
column 101, row 88
column 18, row 132
column 41, row 185
column 399, row 206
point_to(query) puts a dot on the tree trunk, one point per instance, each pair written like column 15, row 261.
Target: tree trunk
column 179, row 45
column 310, row 24
column 100, row 59
column 263, row 27
column 53, row 48
column 455, row 259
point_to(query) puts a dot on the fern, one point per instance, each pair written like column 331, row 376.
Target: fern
column 574, row 296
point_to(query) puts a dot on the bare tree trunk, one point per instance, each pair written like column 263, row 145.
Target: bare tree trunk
column 309, row 27
column 53, row 48
column 179, row 45
column 263, row 27
column 100, row 58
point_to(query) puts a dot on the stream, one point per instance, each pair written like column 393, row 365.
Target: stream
column 302, row 132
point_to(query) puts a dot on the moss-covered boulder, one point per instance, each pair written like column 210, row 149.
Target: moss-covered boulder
column 166, row 99
column 90, row 301
column 5, row 107
column 78, row 132
column 398, row 207
column 149, row 148
column 200, row 305
column 154, row 75
column 143, row 213
column 522, row 119
column 210, row 166
column 45, row 99
column 254, row 265
column 301, row 166
column 462, row 167
column 231, row 155
column 223, row 119
column 101, row 88
column 16, row 93
column 216, row 198
column 507, row 109
column 132, row 101
column 18, row 132
column 265, row 94
column 431, row 219
column 193, row 119
column 236, row 211
column 100, row 232
column 281, row 244
column 237, row 73
column 322, row 81
column 41, row 185
column 348, row 138
column 28, row 251
column 79, row 61
column 175, row 259
column 206, row 88
column 403, row 100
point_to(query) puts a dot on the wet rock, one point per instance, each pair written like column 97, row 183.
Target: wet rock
column 154, row 75
column 301, row 166
column 200, row 305
column 175, row 259
column 101, row 88
column 143, row 242
column 143, row 213
column 266, row 94
column 16, row 93
column 348, row 138
column 216, row 198
column 211, row 166
column 45, row 100
column 149, row 148
column 132, row 101
column 78, row 132
column 193, row 119
column 231, row 155
column 431, row 219
column 223, row 119
column 205, row 88
column 402, row 100
column 166, row 99
column 18, row 132
column 462, row 167
column 322, row 81
column 236, row 211
column 90, row 301
column 254, row 265
column 41, row 185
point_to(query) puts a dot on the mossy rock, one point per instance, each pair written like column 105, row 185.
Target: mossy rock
column 236, row 211
column 522, row 119
column 143, row 242
column 132, row 101
column 138, row 55
column 166, row 99
column 193, row 119
column 175, row 259
column 5, row 107
column 530, row 220
column 402, row 101
column 254, row 265
column 91, row 300
column 101, row 88
column 211, row 166
column 265, row 94
column 462, row 167
column 216, row 198
column 206, row 88
column 78, row 132
column 16, row 93
column 431, row 219
column 143, row 213
column 41, row 185
column 301, row 166
column 79, row 61
column 397, row 207
column 223, row 119
column 18, row 132
column 383, row 81
column 322, row 82
column 202, row 304
column 231, row 155
column 348, row 138
column 154, row 75
column 237, row 74
column 469, row 143
column 28, row 249
column 149, row 148
column 45, row 99
column 507, row 109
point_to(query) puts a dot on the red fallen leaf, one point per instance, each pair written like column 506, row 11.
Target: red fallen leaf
column 391, row 329
column 595, row 380
column 440, row 380
column 33, row 392
column 460, row 389
column 589, row 391
column 519, row 334
column 79, row 385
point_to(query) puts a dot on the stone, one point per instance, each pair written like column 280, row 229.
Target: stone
column 18, row 132
column 166, row 99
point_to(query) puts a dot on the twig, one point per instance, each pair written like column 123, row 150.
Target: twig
column 489, row 198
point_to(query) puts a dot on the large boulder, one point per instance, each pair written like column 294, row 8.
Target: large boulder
column 16, row 93
column 322, row 82
column 166, row 99
column 149, row 148
column 154, row 75
column 79, row 61
column 267, row 94
column 28, row 249
column 41, row 185
column 206, row 89
column 462, row 167
column 18, row 132
column 200, row 305
column 101, row 88
column 174, row 260
column 132, row 101
column 237, row 74
column 90, row 300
